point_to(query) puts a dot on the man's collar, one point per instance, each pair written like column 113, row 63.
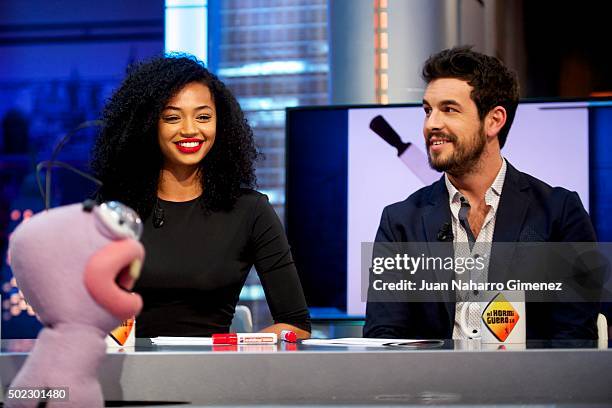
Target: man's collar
column 498, row 183
column 454, row 194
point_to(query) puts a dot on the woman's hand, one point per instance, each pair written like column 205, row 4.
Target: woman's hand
column 279, row 327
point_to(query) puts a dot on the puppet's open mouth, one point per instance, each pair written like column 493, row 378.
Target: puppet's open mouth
column 111, row 274
column 129, row 275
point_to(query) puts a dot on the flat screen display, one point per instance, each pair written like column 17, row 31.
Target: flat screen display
column 345, row 164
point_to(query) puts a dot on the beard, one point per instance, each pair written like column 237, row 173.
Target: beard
column 464, row 157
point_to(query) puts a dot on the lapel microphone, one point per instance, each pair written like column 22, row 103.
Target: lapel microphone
column 445, row 234
column 158, row 216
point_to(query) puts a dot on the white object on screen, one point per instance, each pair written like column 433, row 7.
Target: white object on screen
column 418, row 163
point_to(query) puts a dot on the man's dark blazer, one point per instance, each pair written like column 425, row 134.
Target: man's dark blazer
column 529, row 210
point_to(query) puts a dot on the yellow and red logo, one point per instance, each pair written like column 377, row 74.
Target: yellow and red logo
column 122, row 333
column 500, row 317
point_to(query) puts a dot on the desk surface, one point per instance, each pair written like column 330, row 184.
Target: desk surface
column 456, row 373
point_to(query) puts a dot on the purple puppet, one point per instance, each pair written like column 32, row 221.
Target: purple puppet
column 76, row 266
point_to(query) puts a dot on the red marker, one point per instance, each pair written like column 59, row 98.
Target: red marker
column 288, row 336
column 244, row 338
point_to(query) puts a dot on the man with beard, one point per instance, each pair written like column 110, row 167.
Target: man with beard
column 469, row 104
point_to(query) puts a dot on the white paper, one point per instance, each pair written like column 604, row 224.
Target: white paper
column 365, row 342
column 182, row 341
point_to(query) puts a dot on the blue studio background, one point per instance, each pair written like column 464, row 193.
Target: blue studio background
column 60, row 62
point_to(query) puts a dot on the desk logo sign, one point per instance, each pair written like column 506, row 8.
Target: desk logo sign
column 122, row 336
column 500, row 317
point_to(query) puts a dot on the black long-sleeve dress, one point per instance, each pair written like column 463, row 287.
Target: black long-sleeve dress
column 197, row 263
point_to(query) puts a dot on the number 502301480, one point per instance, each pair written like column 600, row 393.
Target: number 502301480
column 38, row 393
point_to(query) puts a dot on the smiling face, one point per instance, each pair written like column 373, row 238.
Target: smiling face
column 453, row 131
column 187, row 127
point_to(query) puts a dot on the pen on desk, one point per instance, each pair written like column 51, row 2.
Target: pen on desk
column 244, row 338
column 288, row 336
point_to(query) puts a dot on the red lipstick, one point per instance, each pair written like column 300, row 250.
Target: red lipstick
column 191, row 145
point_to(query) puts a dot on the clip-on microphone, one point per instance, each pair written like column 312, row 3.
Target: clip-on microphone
column 445, row 234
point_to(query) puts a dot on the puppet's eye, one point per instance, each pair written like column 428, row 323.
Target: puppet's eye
column 120, row 219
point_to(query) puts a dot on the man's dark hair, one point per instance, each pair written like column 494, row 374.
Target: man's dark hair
column 494, row 84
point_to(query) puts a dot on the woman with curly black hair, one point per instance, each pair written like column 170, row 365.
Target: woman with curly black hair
column 176, row 147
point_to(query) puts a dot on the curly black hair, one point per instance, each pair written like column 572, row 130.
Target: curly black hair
column 494, row 84
column 126, row 155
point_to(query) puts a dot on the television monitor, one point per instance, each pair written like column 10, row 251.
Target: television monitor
column 345, row 164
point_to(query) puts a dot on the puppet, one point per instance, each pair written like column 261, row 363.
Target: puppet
column 75, row 265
